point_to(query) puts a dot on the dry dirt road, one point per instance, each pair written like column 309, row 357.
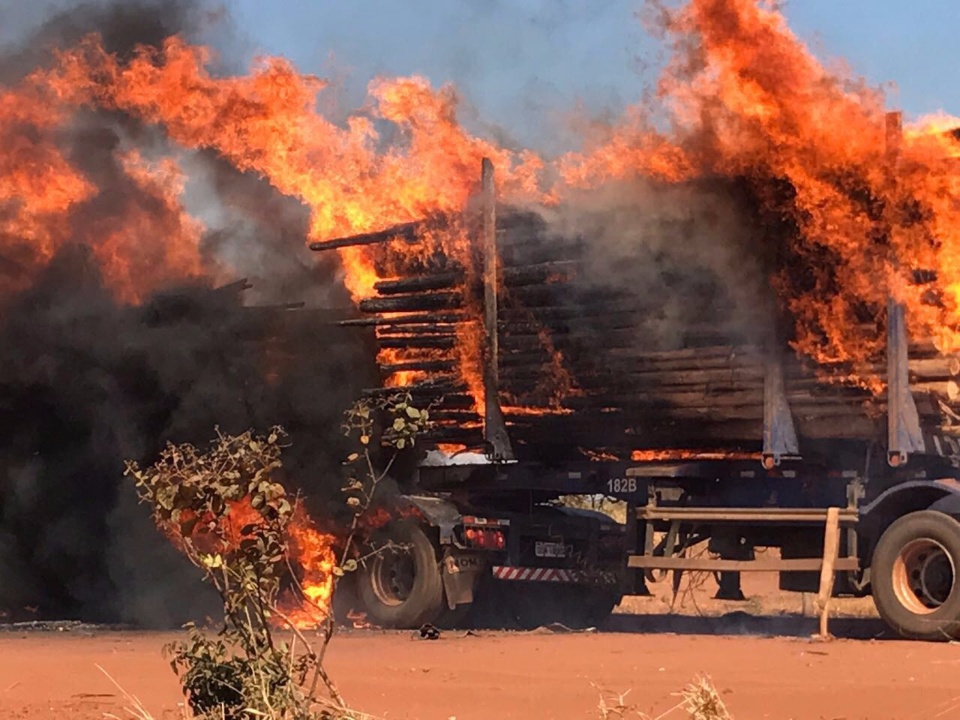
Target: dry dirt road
column 530, row 676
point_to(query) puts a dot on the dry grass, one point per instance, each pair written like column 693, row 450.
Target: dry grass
column 135, row 710
column 699, row 701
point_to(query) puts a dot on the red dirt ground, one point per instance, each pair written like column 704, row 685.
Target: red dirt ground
column 513, row 675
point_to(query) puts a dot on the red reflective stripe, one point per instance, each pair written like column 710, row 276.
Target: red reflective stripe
column 502, row 572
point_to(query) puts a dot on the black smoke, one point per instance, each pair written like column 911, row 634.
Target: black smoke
column 87, row 382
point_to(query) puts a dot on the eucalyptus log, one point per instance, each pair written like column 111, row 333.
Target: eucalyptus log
column 444, row 366
column 412, row 303
column 400, row 342
column 417, row 329
column 417, row 318
column 419, row 283
column 408, row 232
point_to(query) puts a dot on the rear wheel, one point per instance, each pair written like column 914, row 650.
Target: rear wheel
column 400, row 586
column 914, row 576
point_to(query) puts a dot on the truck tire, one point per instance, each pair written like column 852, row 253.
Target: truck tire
column 401, row 587
column 914, row 576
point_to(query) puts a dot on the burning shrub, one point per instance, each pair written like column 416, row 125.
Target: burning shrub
column 225, row 511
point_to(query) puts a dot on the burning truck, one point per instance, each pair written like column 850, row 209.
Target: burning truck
column 546, row 377
column 735, row 307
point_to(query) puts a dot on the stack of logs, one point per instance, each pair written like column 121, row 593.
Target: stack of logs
column 578, row 372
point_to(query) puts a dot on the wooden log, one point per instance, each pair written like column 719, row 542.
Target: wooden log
column 454, row 414
column 935, row 368
column 412, row 303
column 401, row 342
column 734, row 376
column 417, row 329
column 444, row 366
column 417, row 318
column 514, row 276
column 542, row 314
column 947, row 388
column 419, row 283
column 409, row 232
column 438, row 384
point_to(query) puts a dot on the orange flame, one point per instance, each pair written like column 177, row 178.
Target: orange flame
column 266, row 122
column 672, row 455
column 313, row 552
column 742, row 99
column 745, row 98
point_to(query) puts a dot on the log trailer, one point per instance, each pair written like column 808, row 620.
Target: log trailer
column 857, row 503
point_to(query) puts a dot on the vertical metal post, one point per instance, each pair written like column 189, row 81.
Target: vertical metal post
column 779, row 432
column 904, row 435
column 494, row 427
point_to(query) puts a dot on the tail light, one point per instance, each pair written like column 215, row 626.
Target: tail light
column 485, row 539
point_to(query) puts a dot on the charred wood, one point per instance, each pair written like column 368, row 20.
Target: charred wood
column 444, row 366
column 401, row 342
column 419, row 318
column 408, row 232
column 412, row 303
column 419, row 283
column 418, row 329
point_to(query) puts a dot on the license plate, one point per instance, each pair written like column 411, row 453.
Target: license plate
column 550, row 549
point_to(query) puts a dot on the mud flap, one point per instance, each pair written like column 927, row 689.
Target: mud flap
column 460, row 573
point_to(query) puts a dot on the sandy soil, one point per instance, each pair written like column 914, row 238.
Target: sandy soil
column 529, row 675
column 759, row 653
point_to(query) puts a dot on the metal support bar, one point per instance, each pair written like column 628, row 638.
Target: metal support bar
column 743, row 515
column 779, row 433
column 903, row 422
column 904, row 435
column 494, row 426
column 717, row 565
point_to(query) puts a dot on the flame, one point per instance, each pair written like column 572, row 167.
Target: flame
column 359, row 620
column 266, row 122
column 313, row 553
column 746, row 99
column 470, row 341
column 310, row 552
column 142, row 237
column 671, row 455
column 742, row 98
column 598, row 455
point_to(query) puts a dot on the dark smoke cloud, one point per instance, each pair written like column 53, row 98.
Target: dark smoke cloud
column 259, row 234
column 86, row 383
column 687, row 258
column 30, row 38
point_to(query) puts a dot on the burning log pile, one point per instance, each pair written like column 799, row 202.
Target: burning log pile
column 578, row 370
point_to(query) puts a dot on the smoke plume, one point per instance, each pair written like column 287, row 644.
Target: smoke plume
column 93, row 373
column 686, row 258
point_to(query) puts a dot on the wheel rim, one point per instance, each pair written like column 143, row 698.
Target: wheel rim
column 923, row 576
column 392, row 576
